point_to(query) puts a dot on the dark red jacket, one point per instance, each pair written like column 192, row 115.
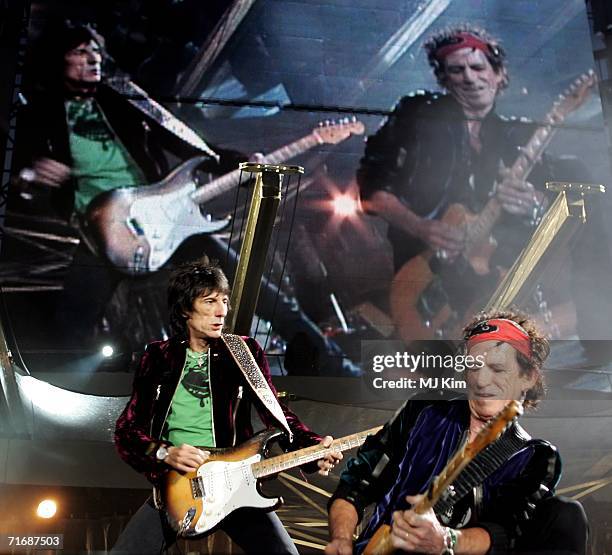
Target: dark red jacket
column 140, row 426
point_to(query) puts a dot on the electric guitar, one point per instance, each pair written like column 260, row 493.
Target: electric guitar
column 195, row 502
column 139, row 228
column 380, row 542
column 419, row 300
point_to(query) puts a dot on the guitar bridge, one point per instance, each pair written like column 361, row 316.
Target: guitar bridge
column 197, row 487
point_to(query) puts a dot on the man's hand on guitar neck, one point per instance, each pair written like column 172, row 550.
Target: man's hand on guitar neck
column 186, row 458
column 327, row 463
column 517, row 197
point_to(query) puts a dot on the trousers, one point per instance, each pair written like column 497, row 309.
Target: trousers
column 558, row 527
column 254, row 530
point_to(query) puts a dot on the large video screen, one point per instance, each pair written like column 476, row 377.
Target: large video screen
column 421, row 187
column 455, row 156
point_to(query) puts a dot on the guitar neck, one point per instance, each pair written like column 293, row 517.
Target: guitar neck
column 227, row 182
column 448, row 475
column 484, row 223
column 287, row 461
column 522, row 167
column 532, row 151
column 489, row 433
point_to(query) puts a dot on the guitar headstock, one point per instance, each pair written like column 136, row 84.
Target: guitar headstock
column 495, row 427
column 332, row 132
column 573, row 97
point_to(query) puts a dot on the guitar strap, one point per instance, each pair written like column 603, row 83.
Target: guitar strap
column 483, row 465
column 138, row 98
column 255, row 378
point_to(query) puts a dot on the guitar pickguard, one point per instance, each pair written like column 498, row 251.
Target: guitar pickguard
column 227, row 486
column 166, row 220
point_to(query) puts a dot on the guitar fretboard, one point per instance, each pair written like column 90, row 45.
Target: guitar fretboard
column 487, row 435
column 522, row 167
column 280, row 463
column 223, row 184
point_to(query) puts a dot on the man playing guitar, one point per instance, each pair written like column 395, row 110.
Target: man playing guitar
column 81, row 139
column 437, row 151
column 499, row 504
column 190, row 391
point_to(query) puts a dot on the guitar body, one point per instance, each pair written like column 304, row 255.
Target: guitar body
column 196, row 502
column 380, row 542
column 139, row 228
column 418, row 306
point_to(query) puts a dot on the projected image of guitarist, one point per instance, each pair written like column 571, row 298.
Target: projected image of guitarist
column 461, row 187
column 444, row 476
column 78, row 138
column 100, row 148
column 197, row 389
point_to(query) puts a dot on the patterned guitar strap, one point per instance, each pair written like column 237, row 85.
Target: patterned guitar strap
column 255, row 378
column 478, row 470
column 138, row 98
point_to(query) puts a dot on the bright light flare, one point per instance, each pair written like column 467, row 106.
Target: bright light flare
column 46, row 508
column 345, row 205
column 107, row 351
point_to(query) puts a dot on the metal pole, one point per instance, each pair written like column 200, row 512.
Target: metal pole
column 260, row 223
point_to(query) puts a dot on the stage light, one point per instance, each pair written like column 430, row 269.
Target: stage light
column 107, row 351
column 345, row 205
column 46, row 508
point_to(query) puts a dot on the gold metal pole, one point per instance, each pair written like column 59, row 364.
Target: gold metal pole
column 260, row 221
column 558, row 225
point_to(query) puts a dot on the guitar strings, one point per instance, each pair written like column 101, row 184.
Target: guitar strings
column 285, row 257
column 272, row 255
column 234, row 213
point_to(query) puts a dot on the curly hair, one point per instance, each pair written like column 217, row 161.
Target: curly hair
column 449, row 35
column 540, row 348
column 55, row 42
column 188, row 282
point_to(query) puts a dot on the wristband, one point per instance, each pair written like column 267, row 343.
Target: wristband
column 450, row 541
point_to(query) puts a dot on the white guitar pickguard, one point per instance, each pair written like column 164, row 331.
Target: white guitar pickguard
column 167, row 220
column 228, row 486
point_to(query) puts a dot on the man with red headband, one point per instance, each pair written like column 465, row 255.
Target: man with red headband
column 508, row 507
column 437, row 149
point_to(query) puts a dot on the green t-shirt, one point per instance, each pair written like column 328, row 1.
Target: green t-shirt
column 100, row 162
column 190, row 418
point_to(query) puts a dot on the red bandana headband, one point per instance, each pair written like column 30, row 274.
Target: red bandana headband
column 501, row 329
column 461, row 40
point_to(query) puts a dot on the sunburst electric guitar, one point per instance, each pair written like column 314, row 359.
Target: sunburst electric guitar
column 418, row 306
column 195, row 502
column 139, row 228
column 380, row 542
